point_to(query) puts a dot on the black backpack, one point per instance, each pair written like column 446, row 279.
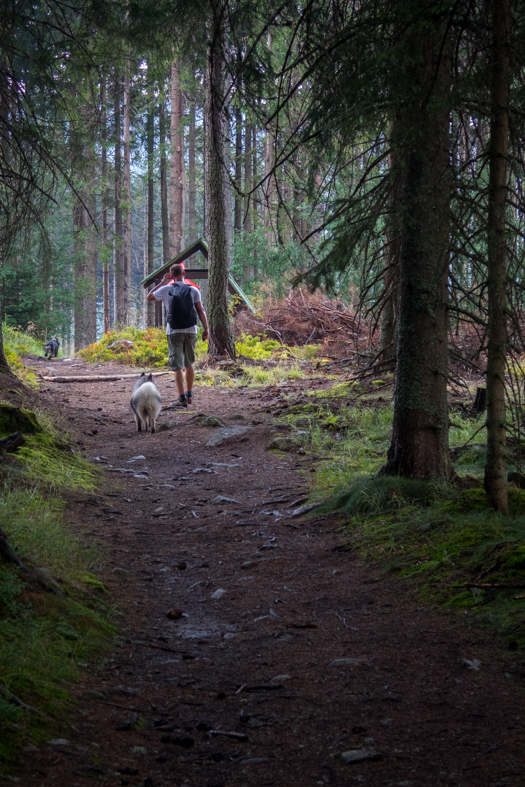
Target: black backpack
column 181, row 310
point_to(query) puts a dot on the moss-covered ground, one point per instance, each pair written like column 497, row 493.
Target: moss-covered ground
column 44, row 636
column 437, row 537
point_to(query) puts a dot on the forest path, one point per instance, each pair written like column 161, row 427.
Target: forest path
column 308, row 653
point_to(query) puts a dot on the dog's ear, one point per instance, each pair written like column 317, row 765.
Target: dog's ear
column 150, row 378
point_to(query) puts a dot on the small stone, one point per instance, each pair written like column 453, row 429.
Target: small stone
column 283, row 444
column 59, row 742
column 139, row 475
column 228, row 434
column 181, row 566
column 174, row 614
column 249, row 564
column 124, row 691
column 166, row 426
column 95, row 695
column 336, row 571
column 346, row 662
column 121, row 571
column 219, row 593
column 237, row 417
column 30, row 749
column 280, row 678
column 166, row 486
column 472, row 664
column 209, row 420
column 220, row 500
column 135, row 458
column 358, row 755
column 230, row 635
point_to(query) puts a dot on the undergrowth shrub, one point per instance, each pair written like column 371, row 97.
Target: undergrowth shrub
column 17, row 344
column 150, row 348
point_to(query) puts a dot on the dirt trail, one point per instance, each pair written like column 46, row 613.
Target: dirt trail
column 293, row 651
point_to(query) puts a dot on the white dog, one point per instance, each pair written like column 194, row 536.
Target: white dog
column 146, row 402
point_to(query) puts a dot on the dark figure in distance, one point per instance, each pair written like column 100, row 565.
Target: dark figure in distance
column 51, row 348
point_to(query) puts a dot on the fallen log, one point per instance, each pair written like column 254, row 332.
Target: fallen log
column 94, row 378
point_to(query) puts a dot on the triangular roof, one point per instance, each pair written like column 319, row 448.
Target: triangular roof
column 199, row 245
column 202, row 246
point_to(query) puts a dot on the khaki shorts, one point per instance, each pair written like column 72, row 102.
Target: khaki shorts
column 181, row 348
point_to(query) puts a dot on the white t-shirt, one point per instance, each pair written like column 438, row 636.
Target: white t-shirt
column 163, row 294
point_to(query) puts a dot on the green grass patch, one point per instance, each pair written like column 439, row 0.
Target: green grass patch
column 52, row 463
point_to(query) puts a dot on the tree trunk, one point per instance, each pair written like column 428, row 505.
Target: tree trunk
column 269, row 188
column 164, row 185
column 495, row 468
column 85, row 273
column 247, row 224
column 151, row 228
column 176, row 164
column 4, row 366
column 419, row 447
column 192, row 186
column 389, row 313
column 127, row 198
column 218, row 196
column 105, row 202
column 119, row 254
column 237, row 223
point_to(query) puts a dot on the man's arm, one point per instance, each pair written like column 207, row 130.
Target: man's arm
column 203, row 319
column 165, row 279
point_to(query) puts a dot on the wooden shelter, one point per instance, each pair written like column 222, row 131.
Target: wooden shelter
column 194, row 274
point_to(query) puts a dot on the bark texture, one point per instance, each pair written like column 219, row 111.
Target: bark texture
column 192, row 186
column 237, row 210
column 105, row 203
column 119, row 255
column 419, row 447
column 218, row 193
column 126, row 203
column 495, row 468
column 176, row 164
column 164, row 185
column 151, row 220
column 389, row 313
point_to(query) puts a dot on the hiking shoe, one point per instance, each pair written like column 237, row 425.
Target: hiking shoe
column 189, row 396
column 182, row 401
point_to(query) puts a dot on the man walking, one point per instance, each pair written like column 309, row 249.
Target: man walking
column 183, row 304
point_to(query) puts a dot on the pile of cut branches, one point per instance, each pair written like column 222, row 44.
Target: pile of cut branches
column 302, row 318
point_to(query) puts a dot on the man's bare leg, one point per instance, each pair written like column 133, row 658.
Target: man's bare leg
column 179, row 381
column 190, row 377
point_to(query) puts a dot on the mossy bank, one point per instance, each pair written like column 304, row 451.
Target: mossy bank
column 54, row 612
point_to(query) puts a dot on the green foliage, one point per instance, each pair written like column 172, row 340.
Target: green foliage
column 257, row 348
column 278, row 263
column 150, row 348
column 16, row 344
